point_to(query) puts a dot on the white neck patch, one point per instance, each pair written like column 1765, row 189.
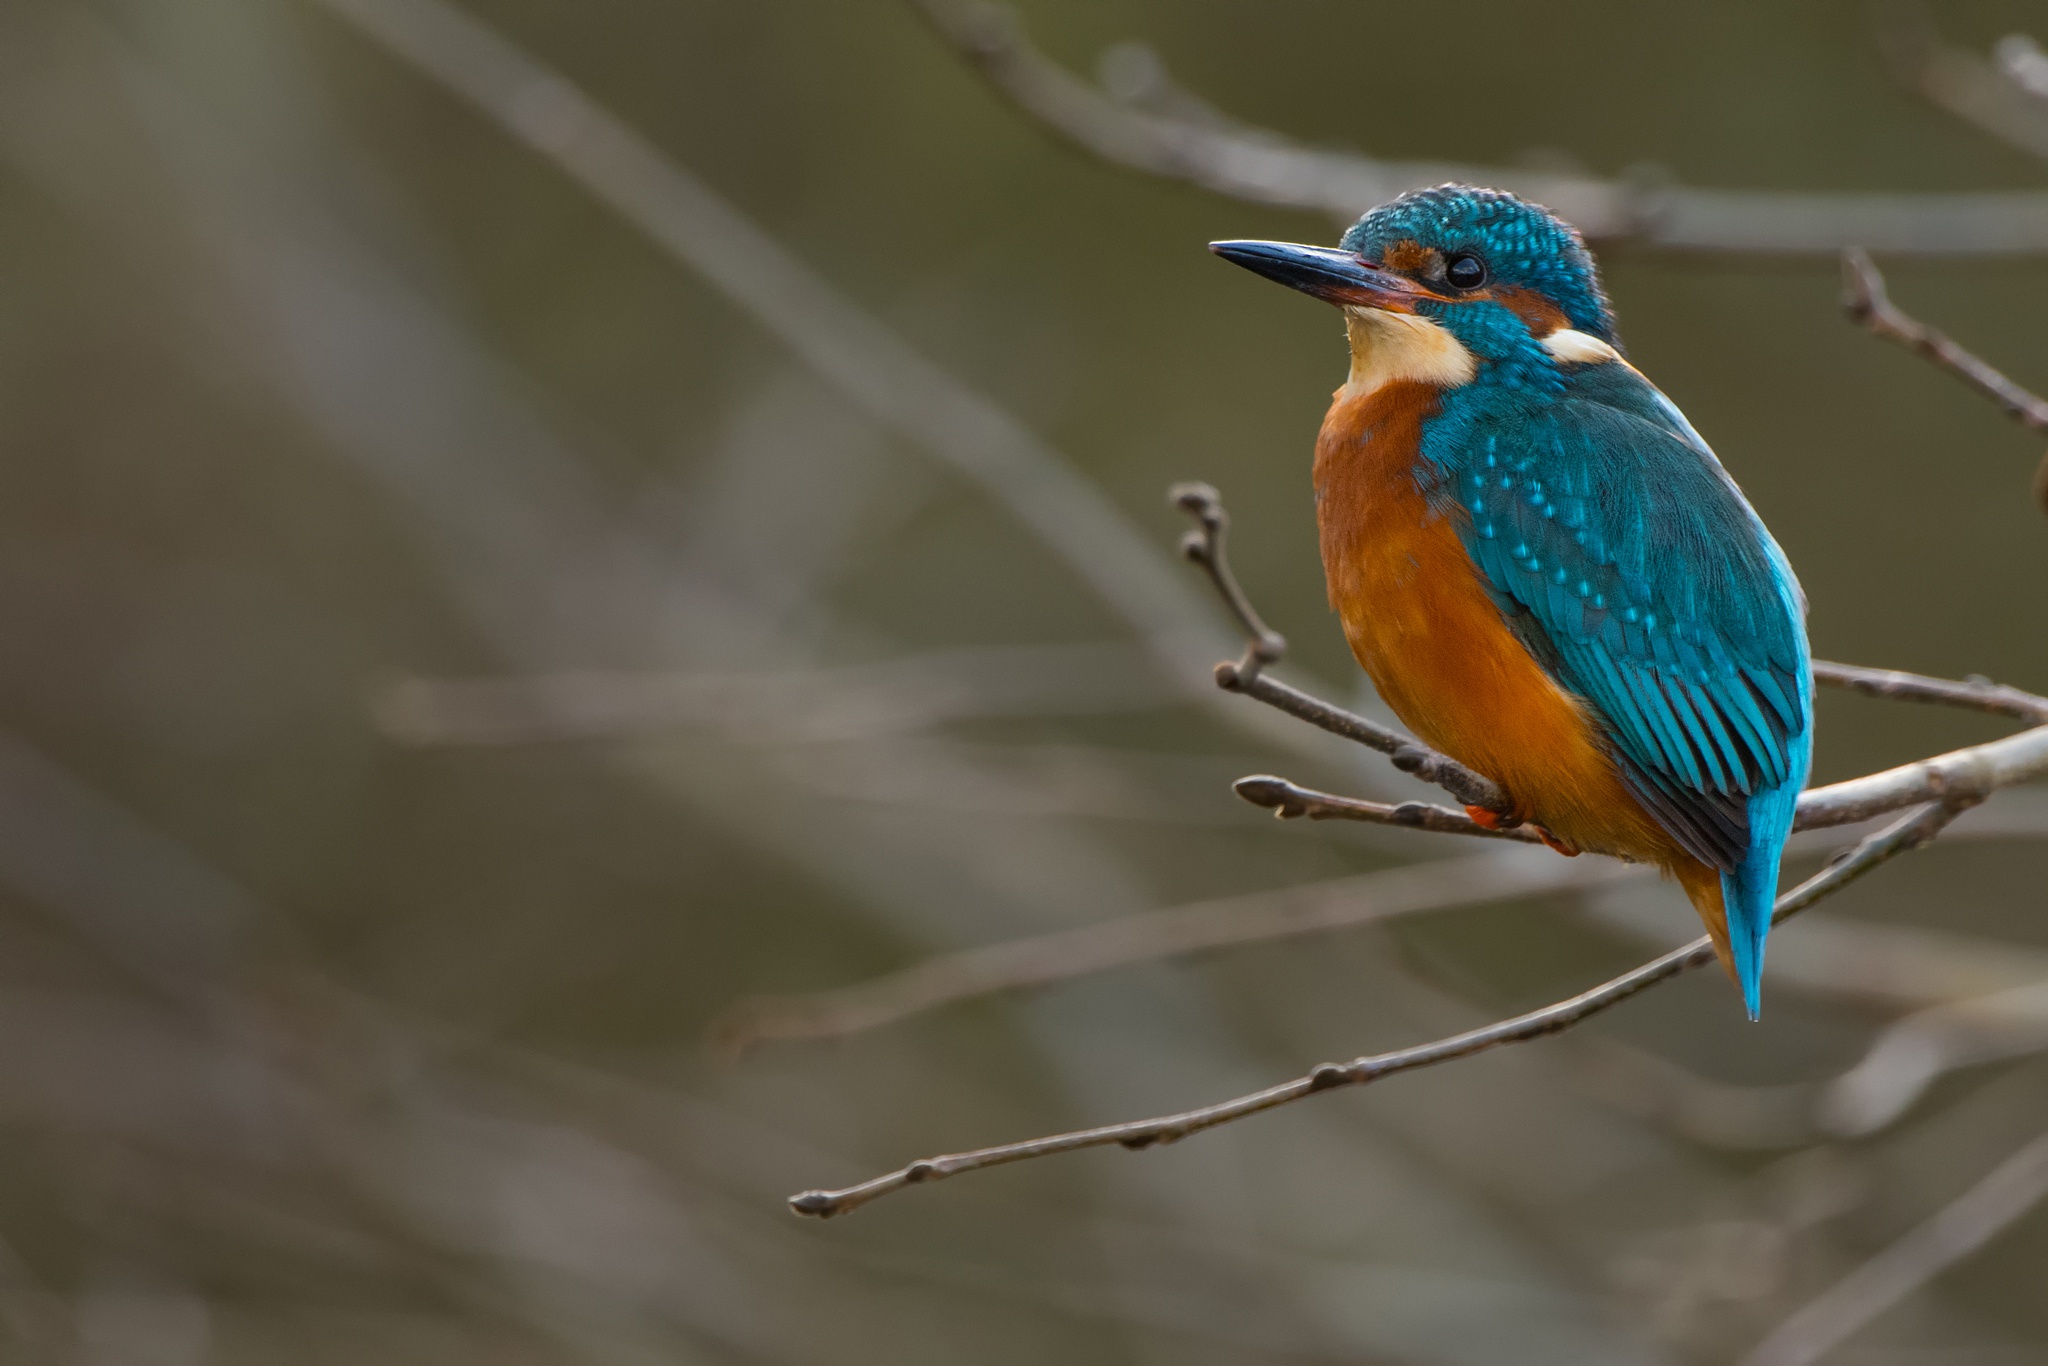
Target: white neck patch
column 1579, row 348
column 1386, row 347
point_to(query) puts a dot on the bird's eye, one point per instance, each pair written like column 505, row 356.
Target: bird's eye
column 1465, row 271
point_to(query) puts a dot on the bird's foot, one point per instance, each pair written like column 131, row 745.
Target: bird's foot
column 1554, row 842
column 1485, row 819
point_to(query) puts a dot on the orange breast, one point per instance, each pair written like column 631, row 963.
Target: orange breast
column 1419, row 620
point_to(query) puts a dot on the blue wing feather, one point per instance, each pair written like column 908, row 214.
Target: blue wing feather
column 1625, row 558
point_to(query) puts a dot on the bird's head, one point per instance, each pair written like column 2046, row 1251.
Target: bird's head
column 1493, row 271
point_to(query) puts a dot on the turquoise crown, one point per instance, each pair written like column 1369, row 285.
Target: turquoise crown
column 1523, row 245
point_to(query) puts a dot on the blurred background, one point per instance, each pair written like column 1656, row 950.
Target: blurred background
column 457, row 651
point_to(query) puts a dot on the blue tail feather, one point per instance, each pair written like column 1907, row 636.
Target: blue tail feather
column 1751, row 890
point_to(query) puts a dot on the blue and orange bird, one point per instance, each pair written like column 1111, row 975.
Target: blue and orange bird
column 1543, row 568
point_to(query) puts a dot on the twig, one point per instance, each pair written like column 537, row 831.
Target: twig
column 796, row 705
column 1973, row 1219
column 1910, row 832
column 1291, row 801
column 1865, row 298
column 1263, row 167
column 1977, row 694
column 1206, row 546
column 1996, row 97
column 1226, row 922
column 1911, row 1054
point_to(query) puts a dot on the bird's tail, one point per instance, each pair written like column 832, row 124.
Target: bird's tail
column 1750, row 892
column 1736, row 906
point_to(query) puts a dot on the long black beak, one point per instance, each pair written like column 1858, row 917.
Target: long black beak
column 1338, row 277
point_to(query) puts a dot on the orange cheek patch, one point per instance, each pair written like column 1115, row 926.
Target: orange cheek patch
column 1410, row 258
column 1537, row 313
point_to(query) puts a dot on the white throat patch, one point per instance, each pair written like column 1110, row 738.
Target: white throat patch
column 1386, row 347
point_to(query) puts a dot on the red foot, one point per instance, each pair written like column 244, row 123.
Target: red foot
column 1554, row 842
column 1490, row 820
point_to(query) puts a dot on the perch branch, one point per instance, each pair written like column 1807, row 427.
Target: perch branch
column 1868, row 303
column 1911, row 831
column 1264, row 168
column 1206, row 546
column 1291, row 801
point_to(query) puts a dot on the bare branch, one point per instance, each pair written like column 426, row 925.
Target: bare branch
column 1865, row 298
column 1978, row 694
column 1263, row 167
column 1911, row 1054
column 1993, row 96
column 799, row 705
column 1908, row 833
column 1290, row 801
column 1226, row 922
column 1973, row 1219
column 1206, row 547
column 1867, row 302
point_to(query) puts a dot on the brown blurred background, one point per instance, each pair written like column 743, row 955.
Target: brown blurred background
column 350, row 1015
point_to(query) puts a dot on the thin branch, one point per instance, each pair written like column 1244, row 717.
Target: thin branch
column 1911, row 1054
column 1225, row 922
column 1252, row 164
column 1865, row 298
column 1977, row 694
column 1291, row 801
column 1981, row 1213
column 1994, row 96
column 1207, row 547
column 788, row 706
column 1908, row 833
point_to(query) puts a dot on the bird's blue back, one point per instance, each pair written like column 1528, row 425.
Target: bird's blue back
column 1633, row 569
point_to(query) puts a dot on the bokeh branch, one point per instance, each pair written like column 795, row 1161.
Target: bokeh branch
column 1253, row 164
column 2011, row 1189
column 1867, row 302
column 2001, row 96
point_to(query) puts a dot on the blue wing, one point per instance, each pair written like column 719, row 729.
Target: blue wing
column 1624, row 557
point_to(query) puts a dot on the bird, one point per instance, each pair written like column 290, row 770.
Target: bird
column 1541, row 565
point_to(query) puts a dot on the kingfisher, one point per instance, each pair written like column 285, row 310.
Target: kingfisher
column 1543, row 568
